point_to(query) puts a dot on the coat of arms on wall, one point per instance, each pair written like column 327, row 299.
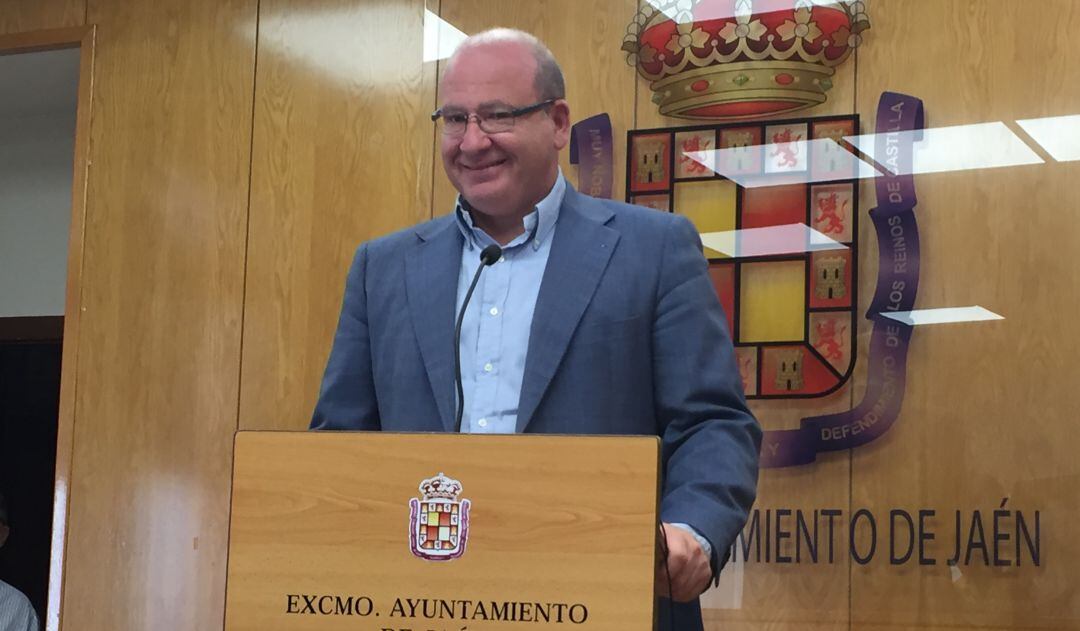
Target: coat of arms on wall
column 738, row 59
column 776, row 201
column 776, row 205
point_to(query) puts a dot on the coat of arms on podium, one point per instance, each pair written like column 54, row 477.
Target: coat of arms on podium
column 438, row 520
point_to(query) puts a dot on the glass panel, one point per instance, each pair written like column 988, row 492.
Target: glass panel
column 887, row 215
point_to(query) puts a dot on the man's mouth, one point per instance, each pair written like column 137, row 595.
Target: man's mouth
column 479, row 168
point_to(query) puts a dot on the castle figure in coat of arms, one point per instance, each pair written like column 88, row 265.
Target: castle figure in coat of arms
column 438, row 520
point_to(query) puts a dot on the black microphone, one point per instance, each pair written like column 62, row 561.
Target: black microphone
column 488, row 256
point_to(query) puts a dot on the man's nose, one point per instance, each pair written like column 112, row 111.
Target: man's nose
column 474, row 138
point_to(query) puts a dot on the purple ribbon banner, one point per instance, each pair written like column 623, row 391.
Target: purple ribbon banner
column 897, row 283
column 592, row 149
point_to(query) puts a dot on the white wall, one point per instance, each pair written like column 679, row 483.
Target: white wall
column 37, row 129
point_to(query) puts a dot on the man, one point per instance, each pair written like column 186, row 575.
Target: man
column 600, row 317
column 16, row 613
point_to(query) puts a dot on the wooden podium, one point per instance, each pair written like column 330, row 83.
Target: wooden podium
column 440, row 532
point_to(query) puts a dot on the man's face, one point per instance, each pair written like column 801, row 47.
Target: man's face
column 3, row 533
column 502, row 175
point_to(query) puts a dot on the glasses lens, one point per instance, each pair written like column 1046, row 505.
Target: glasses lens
column 453, row 123
column 496, row 121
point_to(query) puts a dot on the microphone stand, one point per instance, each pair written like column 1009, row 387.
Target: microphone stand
column 488, row 256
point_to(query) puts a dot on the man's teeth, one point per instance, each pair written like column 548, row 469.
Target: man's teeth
column 486, row 166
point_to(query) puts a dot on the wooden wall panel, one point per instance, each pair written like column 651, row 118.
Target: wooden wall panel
column 160, row 334
column 342, row 154
column 989, row 411
column 585, row 37
column 18, row 16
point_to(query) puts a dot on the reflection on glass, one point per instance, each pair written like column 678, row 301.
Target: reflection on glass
column 720, row 10
column 935, row 150
column 728, row 162
column 958, row 148
column 1059, row 135
column 786, row 239
column 945, row 315
column 331, row 43
column 665, row 7
column 441, row 38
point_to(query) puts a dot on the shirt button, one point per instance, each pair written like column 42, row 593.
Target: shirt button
column 494, row 311
column 482, row 422
column 488, row 367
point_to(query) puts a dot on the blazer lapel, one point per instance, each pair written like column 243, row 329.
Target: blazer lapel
column 431, row 280
column 579, row 254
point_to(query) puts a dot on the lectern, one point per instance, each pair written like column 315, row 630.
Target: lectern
column 438, row 532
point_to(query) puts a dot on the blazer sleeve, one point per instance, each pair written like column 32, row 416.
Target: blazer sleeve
column 347, row 396
column 710, row 439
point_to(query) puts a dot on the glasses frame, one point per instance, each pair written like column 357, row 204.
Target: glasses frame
column 514, row 115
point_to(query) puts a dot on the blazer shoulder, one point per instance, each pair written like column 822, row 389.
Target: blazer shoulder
column 388, row 244
column 628, row 217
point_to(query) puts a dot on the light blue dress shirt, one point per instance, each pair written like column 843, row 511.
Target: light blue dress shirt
column 497, row 323
column 495, row 331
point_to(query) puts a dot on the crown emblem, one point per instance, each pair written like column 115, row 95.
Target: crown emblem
column 736, row 59
column 440, row 487
column 438, row 521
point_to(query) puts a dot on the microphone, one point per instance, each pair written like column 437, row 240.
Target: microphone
column 488, row 256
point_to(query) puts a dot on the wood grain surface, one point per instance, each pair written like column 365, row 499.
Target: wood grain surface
column 158, row 346
column 341, row 154
column 21, row 16
column 553, row 519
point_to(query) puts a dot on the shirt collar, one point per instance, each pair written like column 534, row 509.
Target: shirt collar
column 538, row 224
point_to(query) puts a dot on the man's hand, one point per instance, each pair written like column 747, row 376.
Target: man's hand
column 686, row 561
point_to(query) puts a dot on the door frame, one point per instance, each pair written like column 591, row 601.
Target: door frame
column 83, row 38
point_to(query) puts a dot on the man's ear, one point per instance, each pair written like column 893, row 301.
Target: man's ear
column 4, row 531
column 560, row 115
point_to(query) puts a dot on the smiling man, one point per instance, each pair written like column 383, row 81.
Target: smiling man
column 505, row 171
column 599, row 318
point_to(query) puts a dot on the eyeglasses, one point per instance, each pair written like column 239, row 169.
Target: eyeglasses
column 491, row 121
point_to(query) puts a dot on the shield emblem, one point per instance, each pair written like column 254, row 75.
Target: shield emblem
column 438, row 520
column 776, row 205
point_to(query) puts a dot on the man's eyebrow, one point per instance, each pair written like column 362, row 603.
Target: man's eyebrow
column 486, row 105
column 491, row 104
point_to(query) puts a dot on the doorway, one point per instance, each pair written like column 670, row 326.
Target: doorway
column 45, row 83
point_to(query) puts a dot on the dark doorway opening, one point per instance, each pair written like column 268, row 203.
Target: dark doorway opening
column 29, row 406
